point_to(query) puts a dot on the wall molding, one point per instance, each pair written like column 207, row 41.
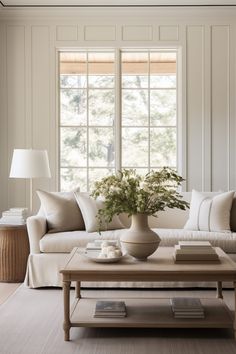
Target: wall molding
column 40, row 94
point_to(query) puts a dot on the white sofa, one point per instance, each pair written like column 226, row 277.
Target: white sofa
column 49, row 251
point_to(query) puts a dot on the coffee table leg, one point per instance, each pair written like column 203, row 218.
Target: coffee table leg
column 66, row 324
column 219, row 293
column 77, row 290
column 235, row 310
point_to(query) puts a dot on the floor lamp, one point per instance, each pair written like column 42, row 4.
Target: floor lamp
column 29, row 163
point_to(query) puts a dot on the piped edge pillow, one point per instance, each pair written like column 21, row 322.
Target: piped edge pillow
column 89, row 208
column 210, row 214
column 61, row 211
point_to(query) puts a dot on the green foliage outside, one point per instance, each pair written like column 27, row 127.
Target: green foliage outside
column 87, row 137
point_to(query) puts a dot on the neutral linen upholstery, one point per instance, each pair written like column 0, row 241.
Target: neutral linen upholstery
column 44, row 270
column 37, row 228
column 210, row 214
column 48, row 252
column 233, row 214
column 64, row 242
column 61, row 211
column 89, row 208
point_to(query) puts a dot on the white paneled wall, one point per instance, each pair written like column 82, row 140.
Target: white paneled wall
column 195, row 106
column 30, row 40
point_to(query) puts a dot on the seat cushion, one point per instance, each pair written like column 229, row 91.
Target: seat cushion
column 224, row 240
column 64, row 242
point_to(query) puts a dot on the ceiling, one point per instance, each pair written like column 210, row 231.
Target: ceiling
column 114, row 3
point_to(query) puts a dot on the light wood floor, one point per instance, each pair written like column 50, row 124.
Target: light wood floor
column 6, row 290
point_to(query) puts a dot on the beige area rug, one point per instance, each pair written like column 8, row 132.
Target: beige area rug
column 31, row 323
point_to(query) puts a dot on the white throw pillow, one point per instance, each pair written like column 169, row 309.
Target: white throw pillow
column 61, row 211
column 210, row 214
column 89, row 209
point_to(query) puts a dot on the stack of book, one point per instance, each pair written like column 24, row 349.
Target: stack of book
column 195, row 251
column 96, row 245
column 110, row 309
column 187, row 307
column 14, row 216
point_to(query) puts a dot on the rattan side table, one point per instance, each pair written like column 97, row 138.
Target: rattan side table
column 14, row 251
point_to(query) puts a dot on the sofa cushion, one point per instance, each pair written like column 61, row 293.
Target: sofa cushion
column 224, row 240
column 89, row 208
column 61, row 211
column 210, row 214
column 65, row 241
column 233, row 214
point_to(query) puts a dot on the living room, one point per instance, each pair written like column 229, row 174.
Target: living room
column 84, row 82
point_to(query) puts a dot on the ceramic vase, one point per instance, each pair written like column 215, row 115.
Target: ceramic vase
column 139, row 240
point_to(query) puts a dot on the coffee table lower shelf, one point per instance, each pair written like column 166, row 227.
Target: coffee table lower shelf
column 151, row 313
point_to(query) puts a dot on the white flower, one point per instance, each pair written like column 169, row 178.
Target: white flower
column 144, row 186
column 115, row 189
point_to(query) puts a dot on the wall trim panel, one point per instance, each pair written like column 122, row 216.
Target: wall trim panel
column 206, row 39
column 220, row 106
column 137, row 33
column 195, row 106
column 100, row 33
column 41, row 103
column 16, row 110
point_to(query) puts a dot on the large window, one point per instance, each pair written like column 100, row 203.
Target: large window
column 117, row 110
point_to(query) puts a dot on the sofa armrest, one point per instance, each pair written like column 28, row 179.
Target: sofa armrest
column 37, row 228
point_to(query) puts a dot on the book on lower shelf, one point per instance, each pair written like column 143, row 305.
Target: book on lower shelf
column 106, row 308
column 183, row 307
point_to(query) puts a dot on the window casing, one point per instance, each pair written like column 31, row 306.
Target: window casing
column 118, row 109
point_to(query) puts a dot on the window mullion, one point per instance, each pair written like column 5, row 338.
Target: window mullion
column 118, row 110
column 149, row 119
column 87, row 108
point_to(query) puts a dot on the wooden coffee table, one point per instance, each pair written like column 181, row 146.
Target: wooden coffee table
column 149, row 313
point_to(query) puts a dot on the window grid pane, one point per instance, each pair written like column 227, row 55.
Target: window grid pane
column 87, row 118
column 148, row 134
column 148, row 102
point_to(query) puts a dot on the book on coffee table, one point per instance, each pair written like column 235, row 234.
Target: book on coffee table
column 195, row 252
column 105, row 308
column 96, row 245
column 190, row 244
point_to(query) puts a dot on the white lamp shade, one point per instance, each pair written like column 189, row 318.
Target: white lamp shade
column 27, row 163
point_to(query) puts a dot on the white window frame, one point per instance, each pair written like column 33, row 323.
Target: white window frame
column 180, row 103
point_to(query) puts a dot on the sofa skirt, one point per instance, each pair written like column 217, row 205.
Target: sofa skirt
column 43, row 270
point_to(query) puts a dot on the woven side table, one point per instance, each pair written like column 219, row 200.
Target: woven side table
column 14, row 251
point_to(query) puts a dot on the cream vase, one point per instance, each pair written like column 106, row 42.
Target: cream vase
column 139, row 240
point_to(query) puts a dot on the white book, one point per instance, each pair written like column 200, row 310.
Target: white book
column 13, row 213
column 97, row 244
column 13, row 217
column 5, row 222
column 11, row 220
column 200, row 244
column 194, row 250
column 18, row 209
